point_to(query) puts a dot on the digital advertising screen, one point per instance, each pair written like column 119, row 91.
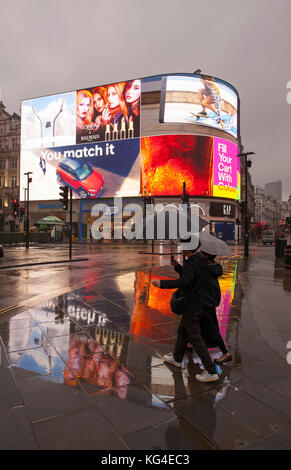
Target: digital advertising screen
column 90, row 140
column 86, row 139
column 209, row 166
column 108, row 112
column 92, row 170
column 199, row 100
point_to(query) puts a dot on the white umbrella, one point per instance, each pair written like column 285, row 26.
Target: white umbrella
column 213, row 245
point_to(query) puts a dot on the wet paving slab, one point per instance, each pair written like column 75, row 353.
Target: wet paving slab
column 175, row 434
column 95, row 355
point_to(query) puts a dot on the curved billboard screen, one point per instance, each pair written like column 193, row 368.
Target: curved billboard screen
column 95, row 141
column 199, row 100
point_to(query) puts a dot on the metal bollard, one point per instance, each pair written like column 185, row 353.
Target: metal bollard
column 288, row 257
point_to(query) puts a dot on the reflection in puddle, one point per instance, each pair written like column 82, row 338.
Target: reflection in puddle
column 76, row 338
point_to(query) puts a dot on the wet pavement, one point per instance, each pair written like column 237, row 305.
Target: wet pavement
column 81, row 356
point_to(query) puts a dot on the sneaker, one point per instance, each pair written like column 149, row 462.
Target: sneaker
column 206, row 377
column 227, row 359
column 170, row 359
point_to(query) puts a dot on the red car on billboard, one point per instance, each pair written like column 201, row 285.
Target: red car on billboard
column 86, row 181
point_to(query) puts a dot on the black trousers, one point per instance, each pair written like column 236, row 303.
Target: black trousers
column 210, row 329
column 189, row 332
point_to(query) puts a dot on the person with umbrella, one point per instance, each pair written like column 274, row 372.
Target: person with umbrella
column 210, row 293
column 191, row 281
column 210, row 247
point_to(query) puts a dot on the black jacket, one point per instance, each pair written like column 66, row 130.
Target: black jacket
column 210, row 293
column 191, row 279
column 209, row 290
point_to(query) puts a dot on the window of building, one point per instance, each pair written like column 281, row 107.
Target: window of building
column 13, row 163
column 2, row 164
column 1, row 202
column 14, row 143
column 13, row 181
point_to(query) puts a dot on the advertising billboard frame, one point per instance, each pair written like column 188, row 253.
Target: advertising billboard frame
column 162, row 78
column 198, row 76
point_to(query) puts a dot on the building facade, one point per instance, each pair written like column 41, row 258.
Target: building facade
column 274, row 189
column 260, row 205
column 9, row 167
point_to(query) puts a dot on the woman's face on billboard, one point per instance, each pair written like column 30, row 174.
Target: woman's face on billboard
column 83, row 107
column 112, row 97
column 133, row 92
column 98, row 102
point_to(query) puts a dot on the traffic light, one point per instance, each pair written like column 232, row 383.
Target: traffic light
column 242, row 206
column 21, row 213
column 64, row 199
column 288, row 220
column 15, row 207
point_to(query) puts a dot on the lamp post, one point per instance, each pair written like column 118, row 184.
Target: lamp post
column 247, row 164
column 29, row 180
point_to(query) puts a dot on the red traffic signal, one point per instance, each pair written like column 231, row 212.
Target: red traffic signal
column 15, row 207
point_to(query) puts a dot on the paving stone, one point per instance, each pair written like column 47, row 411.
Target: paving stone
column 45, row 397
column 9, row 394
column 86, row 429
column 16, row 432
column 215, row 424
column 175, row 434
column 139, row 409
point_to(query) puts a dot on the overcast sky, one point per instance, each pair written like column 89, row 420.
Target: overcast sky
column 57, row 45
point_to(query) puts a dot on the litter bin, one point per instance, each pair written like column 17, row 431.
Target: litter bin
column 288, row 257
column 280, row 245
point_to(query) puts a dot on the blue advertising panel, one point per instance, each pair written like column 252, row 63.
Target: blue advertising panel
column 103, row 169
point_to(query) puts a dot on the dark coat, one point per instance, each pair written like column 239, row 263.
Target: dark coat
column 209, row 296
column 191, row 278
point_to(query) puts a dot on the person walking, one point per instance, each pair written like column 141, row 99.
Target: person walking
column 210, row 298
column 189, row 329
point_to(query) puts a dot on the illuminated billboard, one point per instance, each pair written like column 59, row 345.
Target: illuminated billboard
column 98, row 140
column 108, row 112
column 87, row 139
column 199, row 100
column 209, row 166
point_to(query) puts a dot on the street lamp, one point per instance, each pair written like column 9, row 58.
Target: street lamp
column 247, row 164
column 29, row 180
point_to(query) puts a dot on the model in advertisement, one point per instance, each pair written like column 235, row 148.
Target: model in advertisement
column 99, row 104
column 115, row 115
column 42, row 164
column 132, row 93
column 209, row 97
column 84, row 114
